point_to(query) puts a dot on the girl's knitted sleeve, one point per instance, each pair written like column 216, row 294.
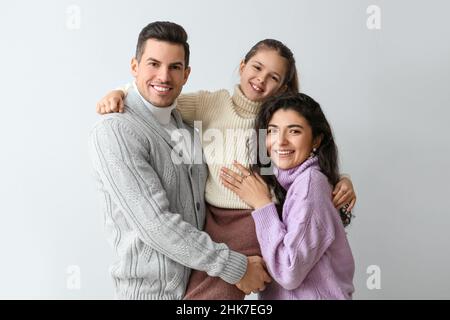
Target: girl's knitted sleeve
column 189, row 105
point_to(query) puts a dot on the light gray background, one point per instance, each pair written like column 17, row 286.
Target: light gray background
column 386, row 93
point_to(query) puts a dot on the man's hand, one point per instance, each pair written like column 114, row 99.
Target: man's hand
column 112, row 102
column 344, row 193
column 255, row 277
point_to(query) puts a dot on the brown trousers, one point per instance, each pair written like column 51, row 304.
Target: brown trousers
column 236, row 229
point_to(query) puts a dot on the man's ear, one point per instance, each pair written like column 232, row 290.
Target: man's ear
column 134, row 67
column 187, row 72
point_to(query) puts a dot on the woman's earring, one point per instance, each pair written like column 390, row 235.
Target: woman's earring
column 313, row 153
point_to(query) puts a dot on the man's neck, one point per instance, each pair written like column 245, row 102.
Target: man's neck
column 162, row 114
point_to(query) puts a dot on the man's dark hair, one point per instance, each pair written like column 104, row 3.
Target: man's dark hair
column 163, row 31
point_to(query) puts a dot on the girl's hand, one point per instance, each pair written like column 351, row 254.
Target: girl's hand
column 249, row 186
column 112, row 102
column 343, row 194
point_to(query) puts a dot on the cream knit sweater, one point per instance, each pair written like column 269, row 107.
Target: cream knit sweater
column 227, row 124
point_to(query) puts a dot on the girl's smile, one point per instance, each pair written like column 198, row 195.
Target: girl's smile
column 262, row 76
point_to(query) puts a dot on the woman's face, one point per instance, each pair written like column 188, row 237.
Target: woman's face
column 263, row 75
column 289, row 139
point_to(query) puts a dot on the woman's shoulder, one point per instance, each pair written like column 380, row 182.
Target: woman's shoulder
column 318, row 178
column 310, row 184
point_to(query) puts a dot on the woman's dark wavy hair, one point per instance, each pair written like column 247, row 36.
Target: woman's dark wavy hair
column 327, row 152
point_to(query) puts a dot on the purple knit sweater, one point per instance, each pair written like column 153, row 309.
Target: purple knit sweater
column 307, row 252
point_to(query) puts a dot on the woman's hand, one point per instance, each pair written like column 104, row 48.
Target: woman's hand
column 249, row 186
column 112, row 102
column 343, row 194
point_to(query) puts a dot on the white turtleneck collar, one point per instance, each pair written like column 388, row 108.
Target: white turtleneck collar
column 162, row 114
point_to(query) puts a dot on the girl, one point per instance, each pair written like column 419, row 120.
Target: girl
column 304, row 245
column 268, row 69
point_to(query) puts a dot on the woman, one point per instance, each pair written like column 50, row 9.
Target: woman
column 303, row 242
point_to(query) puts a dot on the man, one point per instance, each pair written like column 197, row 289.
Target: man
column 153, row 191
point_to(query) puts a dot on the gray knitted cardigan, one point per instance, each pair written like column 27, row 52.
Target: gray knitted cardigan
column 154, row 208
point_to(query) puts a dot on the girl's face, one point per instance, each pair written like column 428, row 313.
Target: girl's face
column 289, row 139
column 263, row 74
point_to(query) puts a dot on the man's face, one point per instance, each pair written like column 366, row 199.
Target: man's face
column 161, row 73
